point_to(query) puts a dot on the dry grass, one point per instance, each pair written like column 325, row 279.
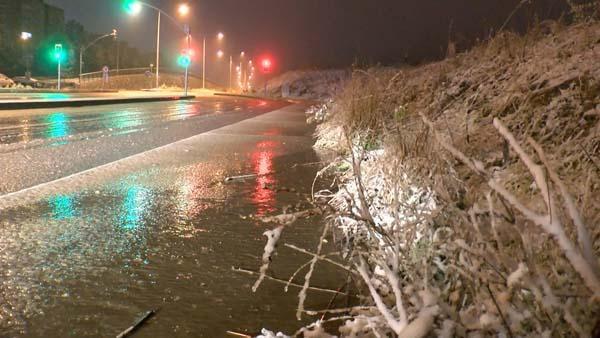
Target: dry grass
column 507, row 137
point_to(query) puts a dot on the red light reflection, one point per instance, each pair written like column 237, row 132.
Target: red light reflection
column 264, row 194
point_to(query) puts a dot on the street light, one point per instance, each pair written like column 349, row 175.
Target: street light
column 184, row 10
column 220, row 53
column 220, row 37
column 134, row 7
column 83, row 49
column 26, row 36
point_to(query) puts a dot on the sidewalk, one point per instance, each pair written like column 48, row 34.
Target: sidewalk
column 10, row 100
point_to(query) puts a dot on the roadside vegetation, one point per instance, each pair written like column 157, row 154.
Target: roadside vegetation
column 465, row 195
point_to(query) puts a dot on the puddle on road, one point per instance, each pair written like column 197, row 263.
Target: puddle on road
column 89, row 264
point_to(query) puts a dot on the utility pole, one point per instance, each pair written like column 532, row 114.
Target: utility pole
column 204, row 63
column 157, row 48
column 230, row 72
column 189, row 46
column 118, row 56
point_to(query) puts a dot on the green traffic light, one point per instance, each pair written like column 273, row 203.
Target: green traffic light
column 58, row 53
column 184, row 61
column 132, row 7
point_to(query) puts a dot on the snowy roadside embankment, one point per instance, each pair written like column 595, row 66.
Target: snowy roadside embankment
column 463, row 201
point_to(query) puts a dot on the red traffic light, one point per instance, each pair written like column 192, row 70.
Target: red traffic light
column 267, row 65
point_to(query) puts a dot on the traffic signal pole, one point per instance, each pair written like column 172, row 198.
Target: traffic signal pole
column 204, row 63
column 58, row 55
column 187, row 67
column 59, row 74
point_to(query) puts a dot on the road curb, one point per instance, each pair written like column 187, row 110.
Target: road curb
column 15, row 105
column 290, row 100
column 246, row 96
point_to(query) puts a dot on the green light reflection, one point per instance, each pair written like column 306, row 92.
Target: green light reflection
column 63, row 207
column 55, row 96
column 135, row 205
column 58, row 125
column 124, row 120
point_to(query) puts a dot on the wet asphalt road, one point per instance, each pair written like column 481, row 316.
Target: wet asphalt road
column 42, row 145
column 86, row 255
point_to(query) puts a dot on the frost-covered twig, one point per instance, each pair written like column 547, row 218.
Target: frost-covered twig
column 322, row 257
column 395, row 283
column 321, row 322
column 302, row 294
column 343, row 310
column 551, row 222
column 272, row 238
column 583, row 235
column 281, row 281
column 391, row 320
column 286, row 219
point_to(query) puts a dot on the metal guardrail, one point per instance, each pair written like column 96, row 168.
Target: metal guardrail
column 86, row 77
column 97, row 76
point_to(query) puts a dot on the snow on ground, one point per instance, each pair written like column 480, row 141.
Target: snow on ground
column 308, row 84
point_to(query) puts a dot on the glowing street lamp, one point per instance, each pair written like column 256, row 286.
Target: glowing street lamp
column 26, row 36
column 220, row 36
column 220, row 54
column 183, row 10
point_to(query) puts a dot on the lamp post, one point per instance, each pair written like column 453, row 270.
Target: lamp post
column 26, row 36
column 134, row 7
column 230, row 72
column 58, row 56
column 220, row 37
column 189, row 59
column 83, row 49
column 241, row 71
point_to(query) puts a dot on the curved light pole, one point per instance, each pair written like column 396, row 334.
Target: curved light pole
column 83, row 49
column 135, row 7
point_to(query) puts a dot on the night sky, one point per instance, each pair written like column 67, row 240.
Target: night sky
column 318, row 33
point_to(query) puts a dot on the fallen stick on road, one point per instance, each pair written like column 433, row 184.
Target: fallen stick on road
column 237, row 178
column 137, row 324
column 237, row 334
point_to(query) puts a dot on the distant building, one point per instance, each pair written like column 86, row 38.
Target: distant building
column 33, row 16
column 54, row 19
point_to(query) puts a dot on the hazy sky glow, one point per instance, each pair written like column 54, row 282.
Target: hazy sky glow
column 316, row 33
